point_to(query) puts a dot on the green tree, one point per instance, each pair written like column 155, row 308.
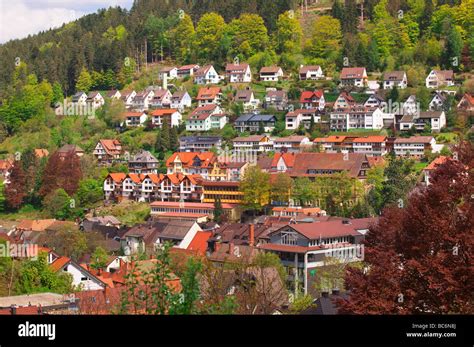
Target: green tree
column 84, row 81
column 288, row 34
column 453, row 49
column 209, row 33
column 184, row 37
column 58, row 95
column 303, row 191
column 99, row 258
column 60, row 205
column 218, row 210
column 249, row 35
column 89, row 192
column 190, row 289
column 326, row 38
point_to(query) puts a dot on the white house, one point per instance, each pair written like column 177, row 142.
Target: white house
column 206, row 75
column 393, row 79
column 358, row 117
column 238, row 73
column 312, row 99
column 271, row 73
column 80, row 98
column 247, row 98
column 437, row 102
column 410, row 106
column 294, row 119
column 344, row 100
column 310, row 72
column 375, row 100
column 161, row 98
column 253, row 143
column 370, row 145
column 169, row 115
column 135, row 119
column 141, row 101
column 354, row 76
column 95, row 99
column 414, row 146
column 187, row 70
column 81, row 278
column 114, row 94
column 209, row 95
column 170, row 72
column 291, row 143
column 127, row 97
column 181, row 100
column 440, row 78
column 206, row 118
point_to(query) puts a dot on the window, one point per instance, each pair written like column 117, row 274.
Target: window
column 288, row 238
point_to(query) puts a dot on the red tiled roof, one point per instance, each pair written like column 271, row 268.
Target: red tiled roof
column 370, row 139
column 59, row 263
column 330, row 139
column 307, row 96
column 190, row 205
column 199, row 242
column 288, row 158
column 352, row 72
column 435, row 163
column 208, row 93
column 187, row 158
column 163, row 112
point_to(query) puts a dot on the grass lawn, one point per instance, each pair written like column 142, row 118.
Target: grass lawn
column 446, row 137
column 128, row 212
column 420, row 166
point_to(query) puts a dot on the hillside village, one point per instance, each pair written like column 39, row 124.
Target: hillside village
column 244, row 173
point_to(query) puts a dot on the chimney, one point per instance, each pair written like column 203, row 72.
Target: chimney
column 231, row 248
column 252, row 235
column 13, row 309
column 325, row 294
column 217, row 246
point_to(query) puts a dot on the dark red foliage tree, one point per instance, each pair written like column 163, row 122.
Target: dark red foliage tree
column 61, row 171
column 15, row 189
column 419, row 258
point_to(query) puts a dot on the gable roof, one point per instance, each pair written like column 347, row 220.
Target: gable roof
column 111, row 147
column 305, row 69
column 394, row 75
column 209, row 93
column 236, row 68
column 187, row 158
column 202, row 71
column 270, row 69
column 307, row 96
column 352, row 72
column 327, row 162
column 288, row 158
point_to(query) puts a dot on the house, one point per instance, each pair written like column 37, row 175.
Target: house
column 271, row 73
column 440, row 78
column 311, row 165
column 253, row 143
column 310, row 100
column 335, row 143
column 282, row 162
column 206, row 75
column 357, row 117
column 254, row 122
column 343, row 101
column 187, row 70
column 161, row 98
column 151, row 235
column 95, row 99
column 354, row 76
column 127, row 97
column 395, row 79
column 206, row 118
column 414, row 146
column 114, row 94
column 370, row 145
column 181, row 100
column 248, row 100
column 168, row 115
column 466, row 103
column 80, row 98
column 277, row 99
column 82, row 279
column 375, row 100
column 435, row 120
column 171, row 72
column 135, row 119
column 152, row 187
column 199, row 143
column 143, row 163
column 310, row 72
column 236, row 170
column 65, row 150
column 168, row 209
column 291, row 143
column 410, row 106
column 108, row 151
column 438, row 102
column 238, row 73
column 305, row 117
column 190, row 163
column 210, row 95
column 141, row 101
column 306, row 246
column 297, row 211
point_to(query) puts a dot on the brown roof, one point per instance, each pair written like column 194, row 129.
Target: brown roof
column 352, row 72
column 394, row 76
column 327, row 161
column 161, row 228
column 251, row 138
column 234, row 68
column 415, row 139
column 208, row 93
column 270, row 69
column 304, row 69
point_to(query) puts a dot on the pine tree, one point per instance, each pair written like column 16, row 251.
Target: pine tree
column 394, row 95
column 174, row 142
column 337, row 11
column 351, row 17
column 84, row 81
column 218, row 211
column 165, row 137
